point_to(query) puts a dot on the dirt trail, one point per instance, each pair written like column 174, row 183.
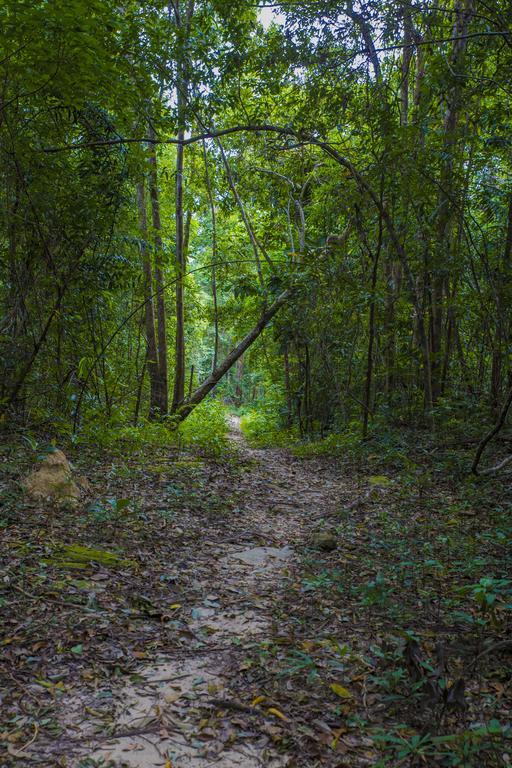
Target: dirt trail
column 184, row 710
column 207, row 624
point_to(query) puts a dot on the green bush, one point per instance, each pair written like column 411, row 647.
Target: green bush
column 204, row 430
column 263, row 428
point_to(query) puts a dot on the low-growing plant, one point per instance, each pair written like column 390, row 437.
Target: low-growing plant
column 263, row 428
column 205, row 430
column 474, row 747
column 110, row 510
column 375, row 592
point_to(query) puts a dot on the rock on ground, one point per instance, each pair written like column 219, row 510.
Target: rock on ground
column 53, row 479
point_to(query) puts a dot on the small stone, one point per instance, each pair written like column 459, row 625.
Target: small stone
column 325, row 541
column 263, row 556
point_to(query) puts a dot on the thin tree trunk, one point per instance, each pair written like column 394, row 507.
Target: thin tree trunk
column 367, row 36
column 256, row 245
column 139, row 395
column 162, row 387
column 371, row 334
column 179, row 364
column 191, row 380
column 301, row 225
column 502, row 321
column 440, row 269
column 447, row 348
column 239, row 377
column 406, row 64
column 307, row 390
column 214, row 260
column 287, row 384
column 389, row 352
column 149, row 314
column 180, row 255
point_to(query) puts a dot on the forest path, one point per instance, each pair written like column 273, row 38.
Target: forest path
column 202, row 705
column 191, row 613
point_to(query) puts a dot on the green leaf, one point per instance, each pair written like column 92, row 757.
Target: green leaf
column 77, row 649
column 340, row 691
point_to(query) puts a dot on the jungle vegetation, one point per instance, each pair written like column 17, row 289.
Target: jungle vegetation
column 293, row 216
column 177, row 176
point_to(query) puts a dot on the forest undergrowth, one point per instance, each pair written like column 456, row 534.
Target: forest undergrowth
column 383, row 641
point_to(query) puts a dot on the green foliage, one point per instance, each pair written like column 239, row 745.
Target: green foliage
column 263, row 428
column 116, row 436
column 264, row 423
column 479, row 745
column 205, row 430
column 386, row 448
column 112, row 510
column 490, row 595
column 328, row 224
column 383, row 200
column 376, row 593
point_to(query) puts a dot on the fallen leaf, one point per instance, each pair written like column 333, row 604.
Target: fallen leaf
column 17, row 752
column 277, row 713
column 337, row 733
column 172, row 696
column 340, row 691
column 77, row 649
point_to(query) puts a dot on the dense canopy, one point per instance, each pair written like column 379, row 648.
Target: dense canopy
column 169, row 170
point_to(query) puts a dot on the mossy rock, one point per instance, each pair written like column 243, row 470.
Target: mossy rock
column 77, row 556
column 157, row 469
column 324, row 541
column 380, row 481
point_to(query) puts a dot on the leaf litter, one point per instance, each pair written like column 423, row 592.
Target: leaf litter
column 204, row 628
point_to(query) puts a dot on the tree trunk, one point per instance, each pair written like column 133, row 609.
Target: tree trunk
column 406, row 64
column 211, row 382
column 308, row 401
column 239, row 378
column 183, row 26
column 288, row 388
column 371, row 334
column 367, row 35
column 179, row 364
column 499, row 357
column 149, row 314
column 441, row 262
column 391, row 273
column 162, row 387
column 214, row 260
